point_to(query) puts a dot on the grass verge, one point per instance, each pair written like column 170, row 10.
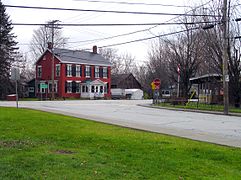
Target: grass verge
column 39, row 145
column 201, row 106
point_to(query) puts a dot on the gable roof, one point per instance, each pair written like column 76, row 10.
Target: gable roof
column 116, row 79
column 80, row 57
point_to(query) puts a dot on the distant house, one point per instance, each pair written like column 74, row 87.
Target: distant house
column 208, row 88
column 124, row 81
column 76, row 74
column 125, row 86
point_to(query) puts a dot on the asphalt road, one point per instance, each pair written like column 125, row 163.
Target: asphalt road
column 220, row 129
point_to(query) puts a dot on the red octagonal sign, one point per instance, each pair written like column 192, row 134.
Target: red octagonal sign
column 157, row 82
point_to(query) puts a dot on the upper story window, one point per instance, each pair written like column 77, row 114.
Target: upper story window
column 39, row 71
column 78, row 70
column 87, row 71
column 97, row 72
column 69, row 70
column 105, row 72
column 57, row 70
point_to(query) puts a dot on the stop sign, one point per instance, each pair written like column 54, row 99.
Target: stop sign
column 157, row 82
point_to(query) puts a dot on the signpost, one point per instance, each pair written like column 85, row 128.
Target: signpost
column 155, row 85
column 15, row 76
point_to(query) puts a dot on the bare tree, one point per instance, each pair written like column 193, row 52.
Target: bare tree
column 184, row 52
column 42, row 36
column 214, row 48
column 121, row 63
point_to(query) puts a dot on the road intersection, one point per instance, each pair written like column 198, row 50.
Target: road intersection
column 219, row 129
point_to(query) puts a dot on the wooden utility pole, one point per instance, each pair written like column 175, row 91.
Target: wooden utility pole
column 53, row 26
column 225, row 24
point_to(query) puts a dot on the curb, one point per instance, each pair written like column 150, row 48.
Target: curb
column 189, row 110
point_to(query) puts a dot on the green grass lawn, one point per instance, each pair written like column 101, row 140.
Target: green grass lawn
column 201, row 106
column 39, row 145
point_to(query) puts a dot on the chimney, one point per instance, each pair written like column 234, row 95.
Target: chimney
column 95, row 49
column 50, row 45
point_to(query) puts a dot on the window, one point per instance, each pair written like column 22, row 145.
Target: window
column 57, row 70
column 50, row 86
column 96, row 89
column 83, row 89
column 69, row 70
column 31, row 89
column 97, row 72
column 104, row 72
column 87, row 71
column 101, row 89
column 78, row 71
column 39, row 71
column 92, row 89
column 69, row 87
column 77, row 87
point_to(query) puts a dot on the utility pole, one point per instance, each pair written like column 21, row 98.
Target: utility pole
column 225, row 57
column 53, row 26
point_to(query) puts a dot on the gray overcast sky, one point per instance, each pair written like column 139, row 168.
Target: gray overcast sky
column 138, row 50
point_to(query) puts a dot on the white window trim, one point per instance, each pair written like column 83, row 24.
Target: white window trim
column 55, row 85
column 97, row 68
column 39, row 67
column 69, row 70
column 78, row 82
column 57, row 65
column 87, row 67
column 78, row 67
column 105, row 77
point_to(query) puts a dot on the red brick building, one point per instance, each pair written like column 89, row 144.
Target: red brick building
column 76, row 74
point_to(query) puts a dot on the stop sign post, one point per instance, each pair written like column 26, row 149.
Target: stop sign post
column 155, row 87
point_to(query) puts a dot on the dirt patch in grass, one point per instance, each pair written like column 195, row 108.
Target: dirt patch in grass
column 61, row 151
column 15, row 143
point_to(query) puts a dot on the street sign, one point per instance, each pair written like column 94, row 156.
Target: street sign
column 226, row 78
column 15, row 74
column 156, row 83
column 43, row 86
column 153, row 86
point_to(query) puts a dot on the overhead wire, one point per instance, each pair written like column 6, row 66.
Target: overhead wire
column 110, row 24
column 106, row 11
column 131, row 3
column 144, row 39
column 111, row 37
column 148, row 29
column 143, row 30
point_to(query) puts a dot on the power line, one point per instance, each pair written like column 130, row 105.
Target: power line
column 119, row 24
column 147, row 29
column 144, row 39
column 105, row 11
column 131, row 3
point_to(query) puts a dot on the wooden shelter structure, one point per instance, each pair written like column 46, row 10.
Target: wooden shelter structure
column 208, row 88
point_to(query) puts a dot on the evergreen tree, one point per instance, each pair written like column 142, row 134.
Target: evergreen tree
column 7, row 51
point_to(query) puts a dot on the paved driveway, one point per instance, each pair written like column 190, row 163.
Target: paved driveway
column 219, row 129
